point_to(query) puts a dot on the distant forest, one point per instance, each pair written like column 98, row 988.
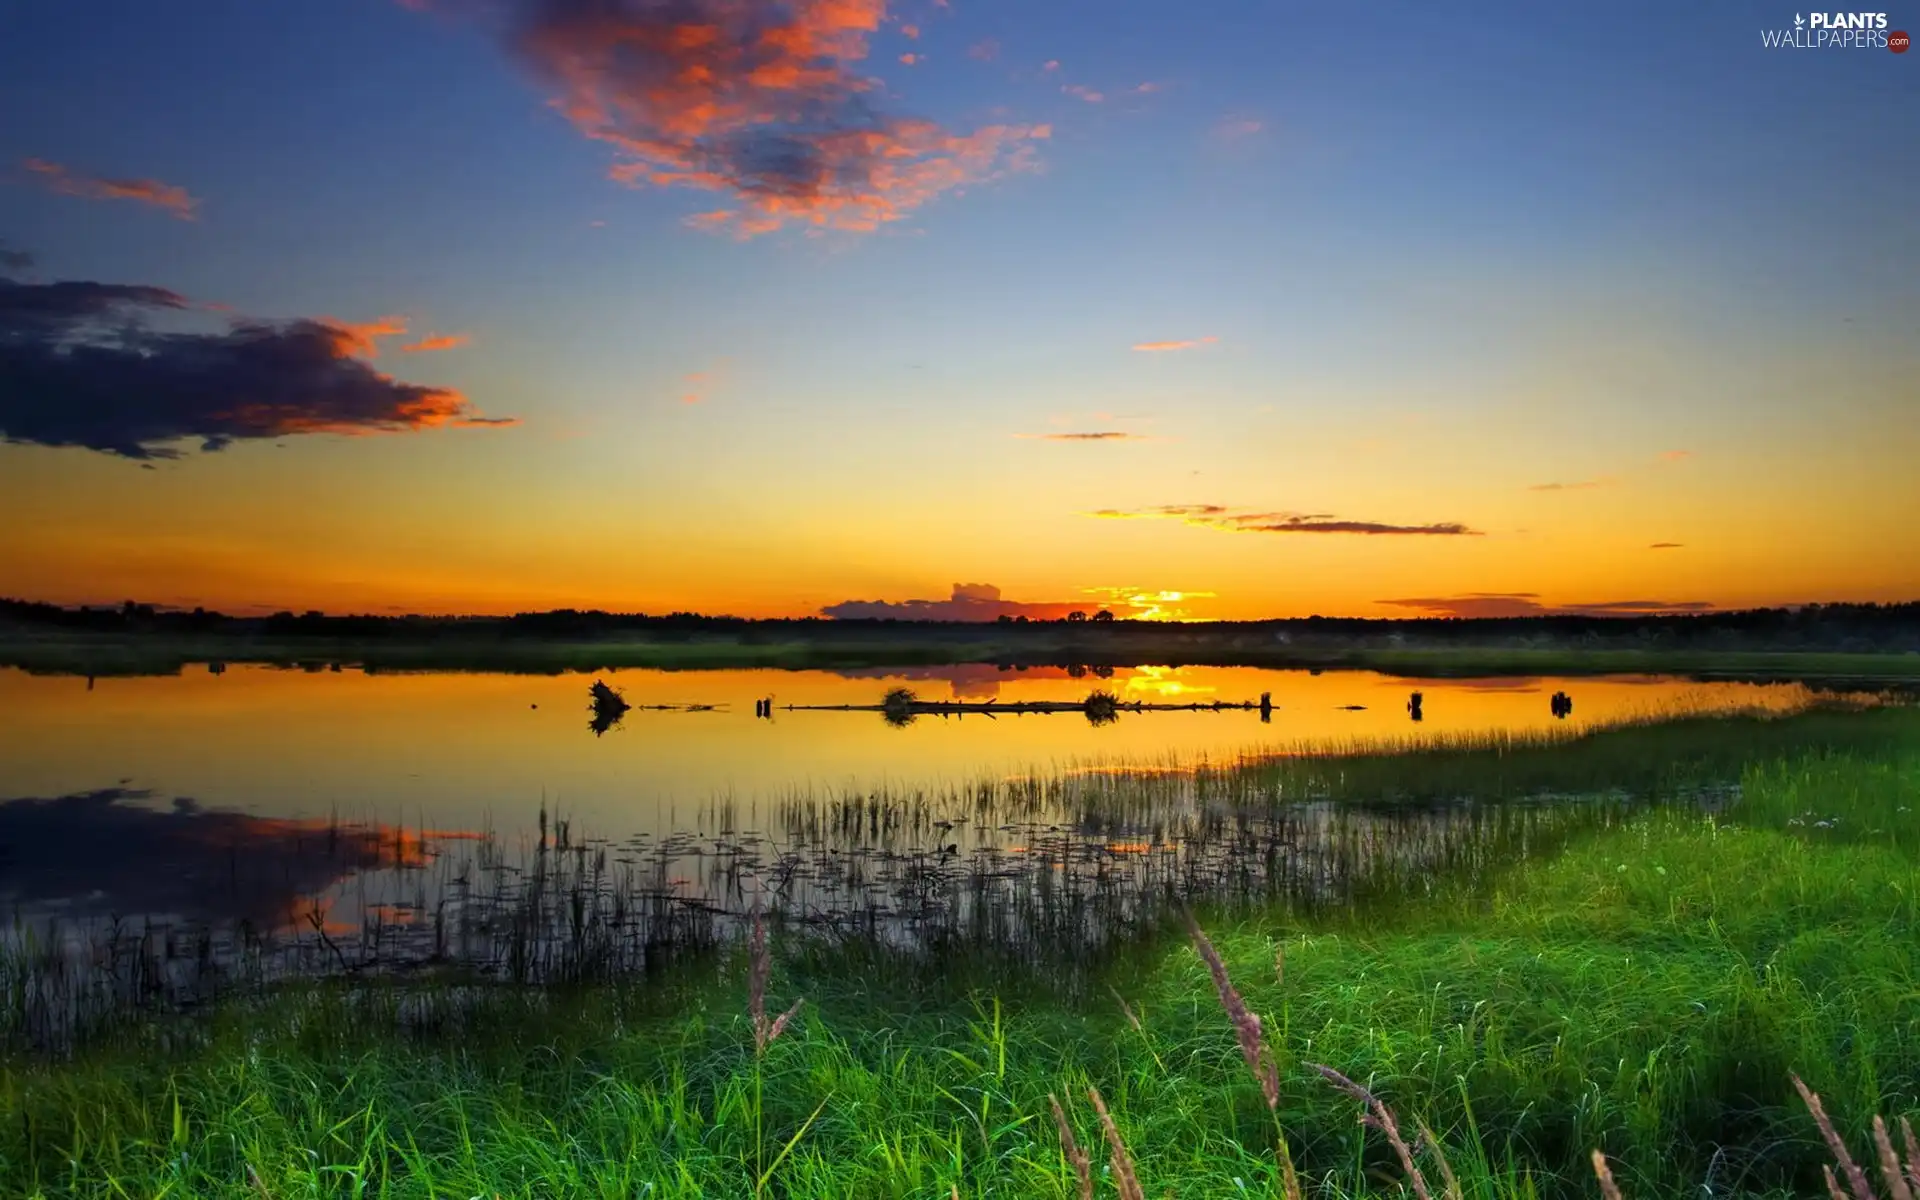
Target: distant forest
column 1829, row 627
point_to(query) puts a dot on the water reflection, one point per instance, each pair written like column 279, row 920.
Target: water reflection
column 607, row 706
column 467, row 751
column 122, row 854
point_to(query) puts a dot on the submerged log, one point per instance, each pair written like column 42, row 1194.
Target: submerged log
column 990, row 708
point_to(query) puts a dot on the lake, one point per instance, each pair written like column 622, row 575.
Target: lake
column 163, row 836
column 474, row 751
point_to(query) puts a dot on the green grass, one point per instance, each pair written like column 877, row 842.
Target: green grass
column 1645, row 992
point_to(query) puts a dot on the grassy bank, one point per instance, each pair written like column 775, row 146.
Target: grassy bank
column 1645, row 992
column 107, row 654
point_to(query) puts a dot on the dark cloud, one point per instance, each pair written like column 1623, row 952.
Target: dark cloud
column 969, row 602
column 1477, row 604
column 14, row 260
column 1217, row 516
column 70, row 305
column 1527, row 604
column 1642, row 606
column 79, row 367
column 1310, row 525
column 761, row 103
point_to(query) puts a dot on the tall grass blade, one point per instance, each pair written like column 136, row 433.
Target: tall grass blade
column 1124, row 1180
column 1856, row 1178
column 1082, row 1164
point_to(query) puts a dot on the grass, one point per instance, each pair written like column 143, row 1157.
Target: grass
column 1645, row 988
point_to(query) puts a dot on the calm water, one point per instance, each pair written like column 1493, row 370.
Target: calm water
column 473, row 751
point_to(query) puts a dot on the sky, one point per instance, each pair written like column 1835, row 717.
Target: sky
column 956, row 307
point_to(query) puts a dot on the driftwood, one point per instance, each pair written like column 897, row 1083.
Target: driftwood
column 993, row 707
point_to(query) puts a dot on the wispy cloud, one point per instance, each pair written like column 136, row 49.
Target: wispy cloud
column 1103, row 435
column 1232, row 129
column 1529, row 604
column 985, row 50
column 1052, row 64
column 68, row 182
column 700, row 385
column 438, row 341
column 1163, row 347
column 1673, row 456
column 1583, row 485
column 910, row 32
column 911, row 59
column 1667, row 546
column 78, row 367
column 1080, row 91
column 764, row 104
column 1218, row 516
column 1640, row 606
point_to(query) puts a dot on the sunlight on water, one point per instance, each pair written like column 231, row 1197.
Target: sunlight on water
column 484, row 751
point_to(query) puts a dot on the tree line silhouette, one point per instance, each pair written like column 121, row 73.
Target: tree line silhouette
column 1842, row 627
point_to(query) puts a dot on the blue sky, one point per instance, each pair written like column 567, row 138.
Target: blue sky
column 1556, row 244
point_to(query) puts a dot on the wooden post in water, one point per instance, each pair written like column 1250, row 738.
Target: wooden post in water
column 1266, row 708
column 1413, row 706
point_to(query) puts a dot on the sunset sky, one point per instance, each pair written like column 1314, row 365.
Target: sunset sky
column 1206, row 309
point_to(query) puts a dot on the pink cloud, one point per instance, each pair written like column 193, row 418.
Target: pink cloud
column 970, row 602
column 438, row 341
column 361, row 338
column 172, row 198
column 1164, row 347
column 762, row 104
column 1101, row 435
